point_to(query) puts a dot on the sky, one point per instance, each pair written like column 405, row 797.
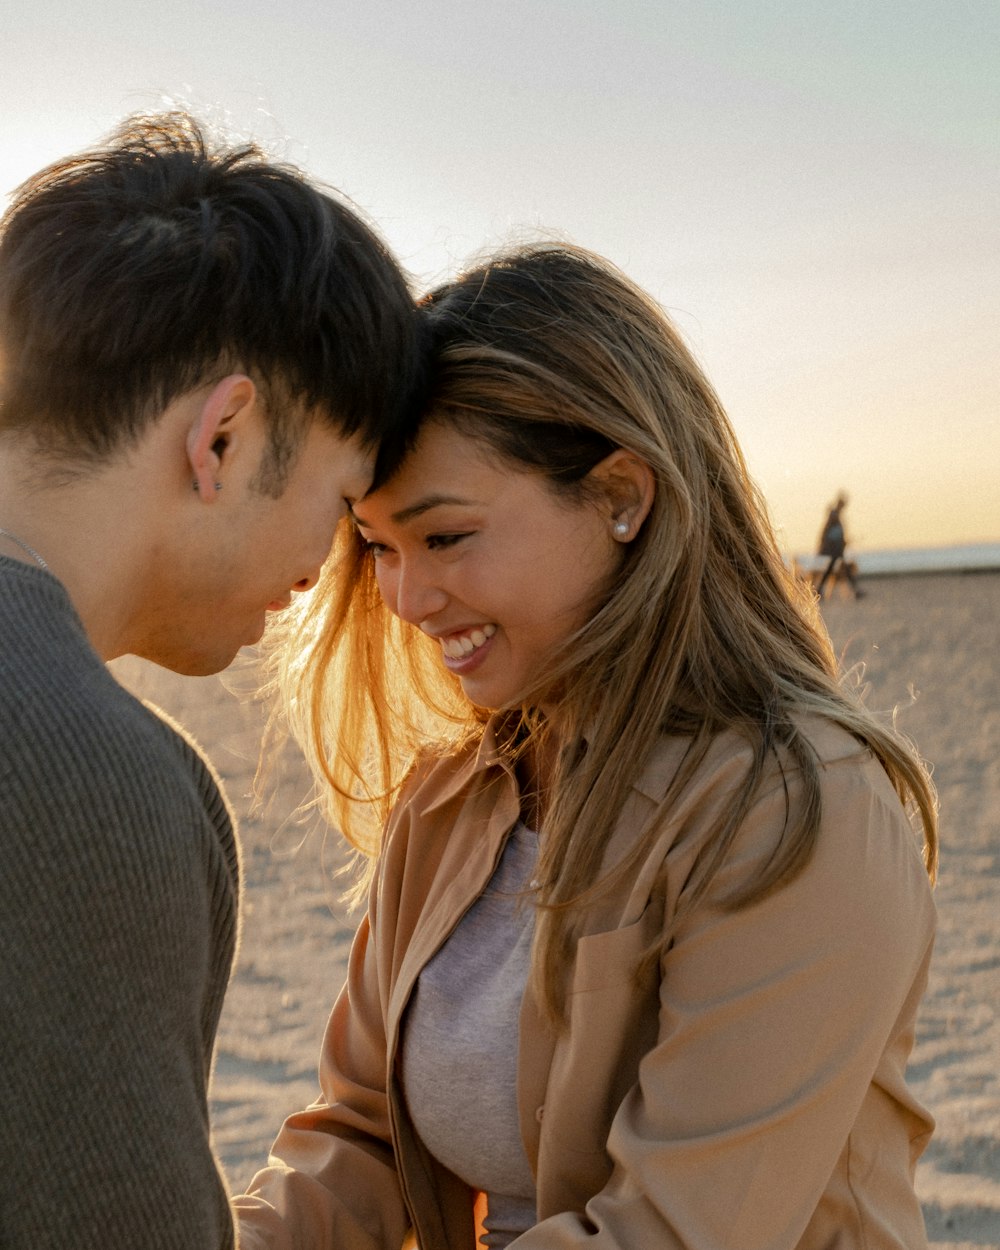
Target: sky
column 811, row 191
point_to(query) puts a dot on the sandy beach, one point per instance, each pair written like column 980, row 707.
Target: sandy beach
column 929, row 649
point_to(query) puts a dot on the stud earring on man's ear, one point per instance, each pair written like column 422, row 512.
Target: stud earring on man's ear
column 621, row 529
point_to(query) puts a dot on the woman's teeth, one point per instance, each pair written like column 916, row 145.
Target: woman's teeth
column 458, row 646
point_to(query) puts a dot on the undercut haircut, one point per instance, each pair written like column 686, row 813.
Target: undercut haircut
column 133, row 273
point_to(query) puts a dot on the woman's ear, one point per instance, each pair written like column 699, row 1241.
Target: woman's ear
column 628, row 487
column 212, row 429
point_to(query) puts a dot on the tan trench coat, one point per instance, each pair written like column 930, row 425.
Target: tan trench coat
column 748, row 1095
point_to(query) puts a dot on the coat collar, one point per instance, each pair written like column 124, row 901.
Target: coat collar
column 480, row 756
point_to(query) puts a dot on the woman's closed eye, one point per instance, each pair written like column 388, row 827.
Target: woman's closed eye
column 433, row 542
column 436, row 541
column 373, row 549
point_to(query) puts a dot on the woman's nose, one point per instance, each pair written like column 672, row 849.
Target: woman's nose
column 416, row 595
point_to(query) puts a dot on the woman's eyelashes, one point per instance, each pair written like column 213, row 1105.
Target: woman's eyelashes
column 433, row 542
column 436, row 541
column 368, row 545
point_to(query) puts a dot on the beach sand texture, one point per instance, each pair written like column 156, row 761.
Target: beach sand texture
column 930, row 648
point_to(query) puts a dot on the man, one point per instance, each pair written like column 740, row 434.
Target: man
column 198, row 349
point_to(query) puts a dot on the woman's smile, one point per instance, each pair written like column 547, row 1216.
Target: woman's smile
column 463, row 646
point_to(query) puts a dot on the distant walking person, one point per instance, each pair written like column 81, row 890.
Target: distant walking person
column 833, row 543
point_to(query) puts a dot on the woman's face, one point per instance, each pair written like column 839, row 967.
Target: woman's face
column 486, row 560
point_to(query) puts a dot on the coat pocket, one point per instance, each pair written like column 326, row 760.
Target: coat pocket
column 612, row 1024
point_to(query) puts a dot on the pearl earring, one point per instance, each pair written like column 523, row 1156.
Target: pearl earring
column 621, row 529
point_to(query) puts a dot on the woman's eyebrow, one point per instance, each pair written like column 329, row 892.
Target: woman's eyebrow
column 413, row 510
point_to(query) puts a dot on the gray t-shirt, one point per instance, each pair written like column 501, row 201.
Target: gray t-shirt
column 460, row 1045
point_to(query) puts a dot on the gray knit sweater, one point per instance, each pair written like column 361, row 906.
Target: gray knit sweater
column 119, row 884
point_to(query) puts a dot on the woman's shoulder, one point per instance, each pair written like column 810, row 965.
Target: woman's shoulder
column 861, row 817
column 729, row 753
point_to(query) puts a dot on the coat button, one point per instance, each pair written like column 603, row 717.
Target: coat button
column 540, row 1113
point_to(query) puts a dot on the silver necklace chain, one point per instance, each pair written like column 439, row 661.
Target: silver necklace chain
column 25, row 547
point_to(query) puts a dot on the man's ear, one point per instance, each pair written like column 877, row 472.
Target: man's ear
column 215, row 425
column 628, row 486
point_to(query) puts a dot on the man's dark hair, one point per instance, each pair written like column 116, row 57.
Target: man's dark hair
column 135, row 272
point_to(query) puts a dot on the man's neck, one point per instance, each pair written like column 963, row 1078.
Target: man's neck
column 76, row 525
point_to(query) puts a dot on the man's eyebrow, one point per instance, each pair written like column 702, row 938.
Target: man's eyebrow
column 419, row 508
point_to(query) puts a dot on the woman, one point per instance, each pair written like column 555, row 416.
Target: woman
column 648, row 925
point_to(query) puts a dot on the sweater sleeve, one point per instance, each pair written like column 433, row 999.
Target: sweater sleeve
column 118, row 930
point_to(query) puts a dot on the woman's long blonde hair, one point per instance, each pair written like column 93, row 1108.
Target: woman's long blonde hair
column 552, row 357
